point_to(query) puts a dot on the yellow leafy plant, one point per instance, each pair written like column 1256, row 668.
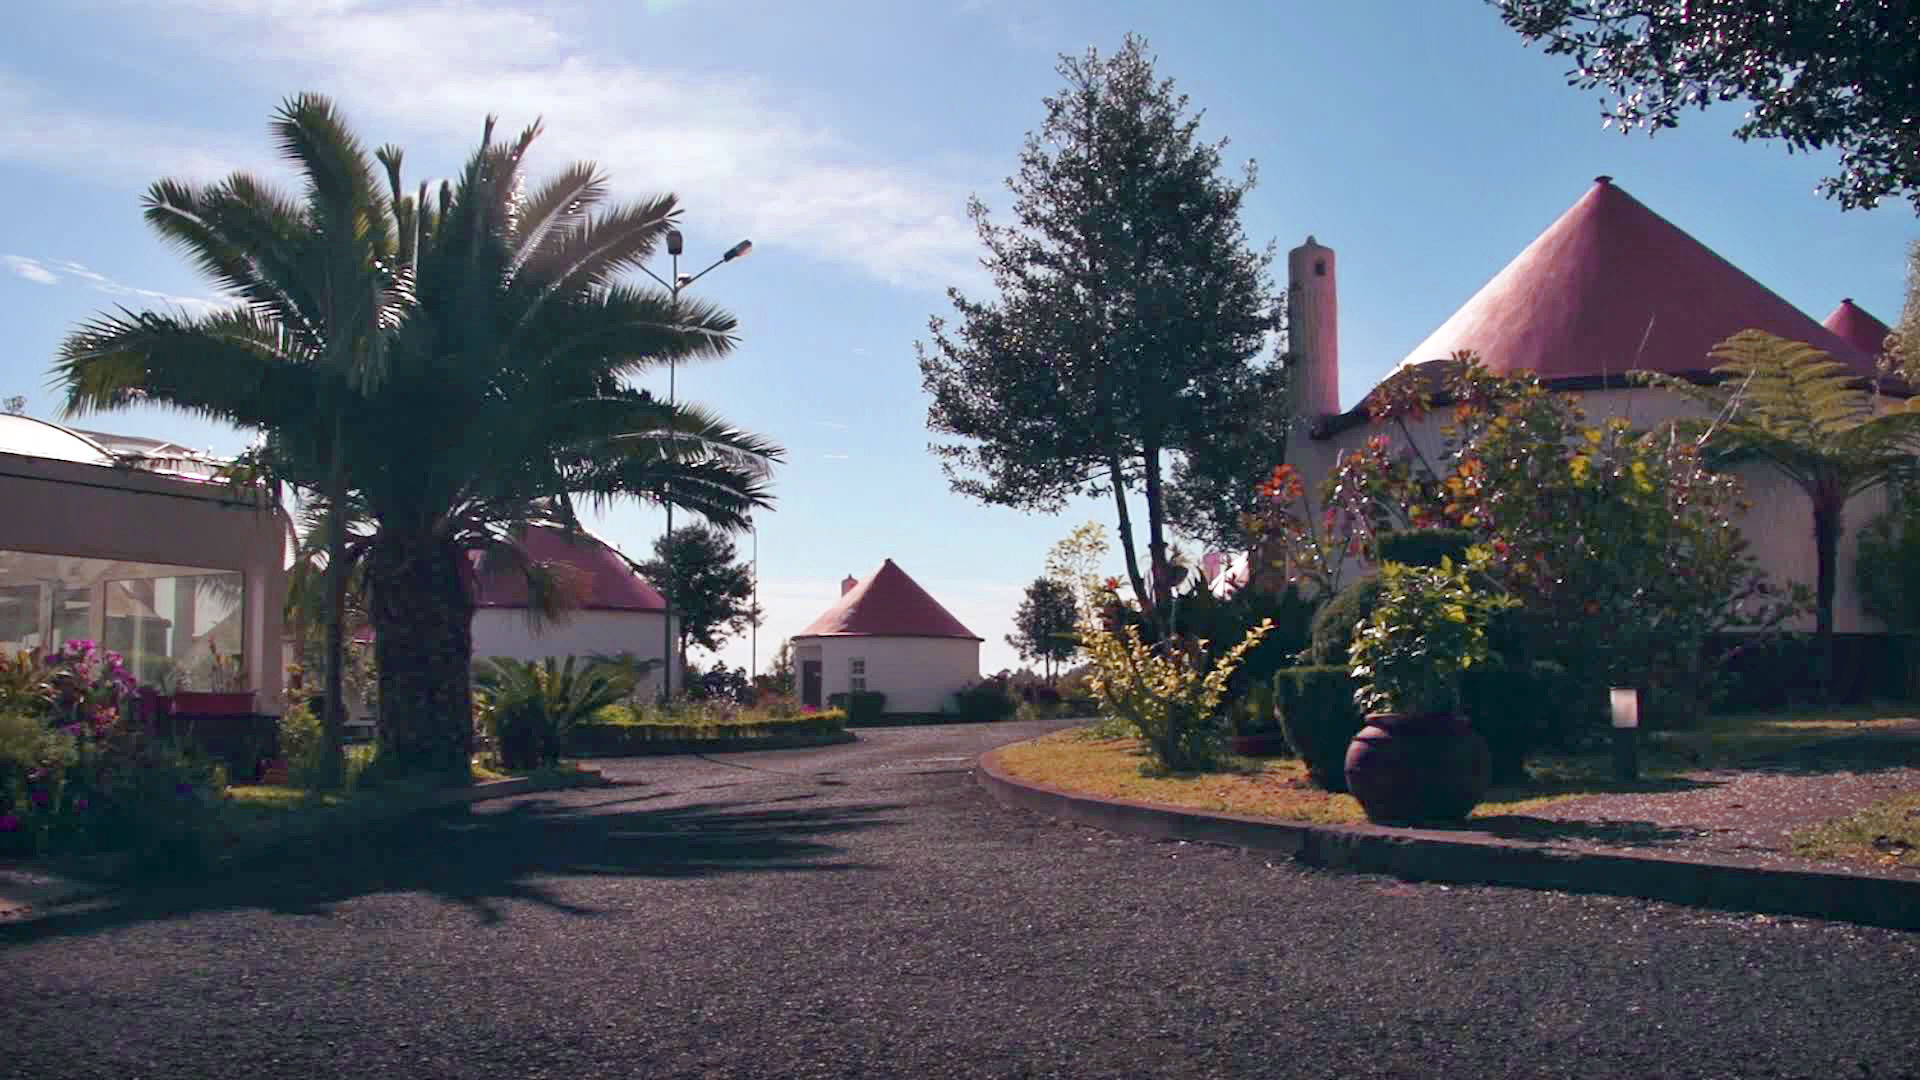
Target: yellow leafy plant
column 1169, row 693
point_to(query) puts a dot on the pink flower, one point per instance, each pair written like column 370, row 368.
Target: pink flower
column 39, row 798
column 9, row 823
column 80, row 802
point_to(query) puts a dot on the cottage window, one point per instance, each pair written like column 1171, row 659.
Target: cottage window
column 857, row 675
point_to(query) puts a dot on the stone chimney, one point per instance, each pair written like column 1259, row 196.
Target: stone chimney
column 1313, row 331
column 846, row 586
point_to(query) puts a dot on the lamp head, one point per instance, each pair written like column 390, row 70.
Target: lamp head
column 683, row 281
column 675, row 242
column 738, row 250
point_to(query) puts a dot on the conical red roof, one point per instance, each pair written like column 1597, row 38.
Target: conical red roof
column 1856, row 327
column 1613, row 286
column 611, row 584
column 887, row 604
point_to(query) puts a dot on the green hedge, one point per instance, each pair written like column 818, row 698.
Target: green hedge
column 614, row 739
column 985, row 703
column 1520, row 710
column 1319, row 718
column 861, row 706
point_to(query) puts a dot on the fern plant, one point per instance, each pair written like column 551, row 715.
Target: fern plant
column 1792, row 407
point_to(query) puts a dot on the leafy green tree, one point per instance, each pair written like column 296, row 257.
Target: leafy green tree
column 1044, row 624
column 1902, row 353
column 319, row 285
column 780, row 675
column 1791, row 407
column 1129, row 317
column 502, row 400
column 1813, row 73
column 712, row 590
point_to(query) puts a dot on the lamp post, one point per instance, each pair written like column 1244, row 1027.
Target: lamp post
column 676, row 244
column 1625, row 706
column 753, row 634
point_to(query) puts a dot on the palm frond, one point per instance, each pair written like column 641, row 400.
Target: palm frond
column 236, row 366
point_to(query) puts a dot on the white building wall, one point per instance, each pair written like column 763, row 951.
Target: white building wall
column 918, row 674
column 504, row 632
column 1779, row 527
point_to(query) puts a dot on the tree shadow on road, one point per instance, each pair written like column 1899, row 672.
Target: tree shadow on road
column 486, row 857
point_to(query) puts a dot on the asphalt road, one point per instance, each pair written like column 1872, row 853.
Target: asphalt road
column 866, row 911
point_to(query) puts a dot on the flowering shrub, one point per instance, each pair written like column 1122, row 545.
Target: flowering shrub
column 1170, row 694
column 88, row 686
column 1619, row 545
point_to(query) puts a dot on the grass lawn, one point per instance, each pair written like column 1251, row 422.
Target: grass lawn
column 1278, row 787
column 1887, row 832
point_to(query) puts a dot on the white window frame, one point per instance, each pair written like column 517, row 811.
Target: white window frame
column 857, row 675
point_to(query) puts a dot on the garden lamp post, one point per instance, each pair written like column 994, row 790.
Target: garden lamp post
column 676, row 244
column 1625, row 703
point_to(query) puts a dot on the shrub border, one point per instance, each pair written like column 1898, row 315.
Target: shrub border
column 1437, row 855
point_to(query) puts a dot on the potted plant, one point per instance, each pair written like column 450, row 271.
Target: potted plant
column 1418, row 758
column 226, row 693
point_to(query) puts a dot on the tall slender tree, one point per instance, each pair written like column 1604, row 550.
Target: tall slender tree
column 1130, row 314
column 1044, row 624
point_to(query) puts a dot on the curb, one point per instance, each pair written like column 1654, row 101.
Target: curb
column 664, row 747
column 1437, row 855
column 30, row 892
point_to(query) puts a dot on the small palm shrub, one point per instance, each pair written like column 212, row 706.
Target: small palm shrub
column 531, row 705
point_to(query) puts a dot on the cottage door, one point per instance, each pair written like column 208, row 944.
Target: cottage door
column 810, row 683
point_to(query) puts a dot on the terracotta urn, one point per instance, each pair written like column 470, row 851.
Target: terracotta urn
column 1410, row 768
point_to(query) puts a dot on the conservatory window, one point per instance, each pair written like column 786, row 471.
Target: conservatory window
column 179, row 627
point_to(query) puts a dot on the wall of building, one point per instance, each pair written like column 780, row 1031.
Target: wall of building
column 918, row 674
column 505, row 632
column 1779, row 527
column 98, row 512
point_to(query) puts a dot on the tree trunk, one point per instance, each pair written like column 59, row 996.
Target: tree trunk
column 1826, row 546
column 423, row 633
column 333, row 769
column 1126, row 536
column 1162, row 574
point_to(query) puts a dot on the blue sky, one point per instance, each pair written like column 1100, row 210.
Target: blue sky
column 1416, row 137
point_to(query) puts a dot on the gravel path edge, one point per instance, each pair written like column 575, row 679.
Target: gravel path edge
column 1439, row 856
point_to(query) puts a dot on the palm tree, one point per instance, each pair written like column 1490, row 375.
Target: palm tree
column 485, row 392
column 1789, row 405
column 505, row 403
column 319, row 294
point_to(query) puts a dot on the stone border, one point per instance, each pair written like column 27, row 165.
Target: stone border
column 30, row 892
column 1439, row 855
column 661, row 747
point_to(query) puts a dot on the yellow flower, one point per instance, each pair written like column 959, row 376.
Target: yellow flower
column 1579, row 466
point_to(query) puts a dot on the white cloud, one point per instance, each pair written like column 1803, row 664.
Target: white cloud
column 66, row 271
column 30, row 269
column 834, row 424
column 752, row 159
column 834, row 457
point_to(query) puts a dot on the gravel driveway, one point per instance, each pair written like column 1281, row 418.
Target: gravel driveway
column 866, row 911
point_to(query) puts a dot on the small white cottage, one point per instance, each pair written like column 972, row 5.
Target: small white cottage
column 622, row 613
column 887, row 634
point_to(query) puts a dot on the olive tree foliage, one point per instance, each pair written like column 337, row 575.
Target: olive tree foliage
column 1129, row 319
column 1814, row 74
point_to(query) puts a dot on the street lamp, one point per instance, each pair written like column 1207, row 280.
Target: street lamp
column 676, row 244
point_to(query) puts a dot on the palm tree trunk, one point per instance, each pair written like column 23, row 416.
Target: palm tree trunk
column 333, row 769
column 1826, row 546
column 1126, row 536
column 423, row 634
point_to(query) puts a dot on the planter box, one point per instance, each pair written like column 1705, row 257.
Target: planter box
column 213, row 703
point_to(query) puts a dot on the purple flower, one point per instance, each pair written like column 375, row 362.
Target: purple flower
column 39, row 798
column 183, row 789
column 79, row 802
column 9, row 823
